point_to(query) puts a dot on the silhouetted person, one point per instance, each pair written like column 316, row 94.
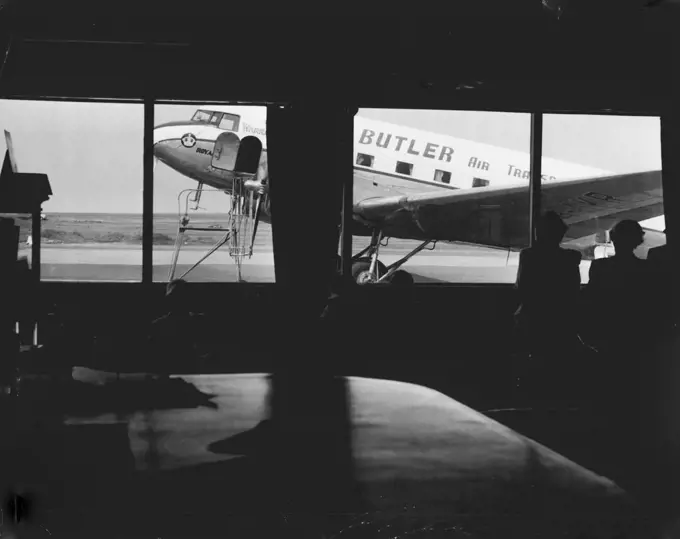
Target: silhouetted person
column 659, row 387
column 617, row 287
column 659, row 255
column 617, row 297
column 620, row 307
column 548, row 282
column 660, row 265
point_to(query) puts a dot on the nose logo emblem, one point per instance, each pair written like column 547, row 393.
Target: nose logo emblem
column 188, row 140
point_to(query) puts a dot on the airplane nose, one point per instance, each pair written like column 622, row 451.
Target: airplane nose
column 166, row 140
column 160, row 134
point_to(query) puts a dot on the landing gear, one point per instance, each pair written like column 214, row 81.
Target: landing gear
column 369, row 270
column 362, row 274
column 184, row 228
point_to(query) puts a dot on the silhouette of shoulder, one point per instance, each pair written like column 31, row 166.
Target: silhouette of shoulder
column 616, row 269
column 659, row 254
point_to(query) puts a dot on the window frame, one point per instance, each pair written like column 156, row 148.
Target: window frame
column 208, row 112
column 149, row 102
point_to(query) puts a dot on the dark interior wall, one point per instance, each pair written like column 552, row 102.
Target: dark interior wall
column 480, row 307
column 436, row 62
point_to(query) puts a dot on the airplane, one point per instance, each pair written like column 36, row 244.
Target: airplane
column 417, row 185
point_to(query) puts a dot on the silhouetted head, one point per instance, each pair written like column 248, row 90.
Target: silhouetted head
column 176, row 295
column 550, row 229
column 627, row 235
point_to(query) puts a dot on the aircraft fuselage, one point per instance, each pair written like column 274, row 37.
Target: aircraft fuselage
column 188, row 147
column 389, row 160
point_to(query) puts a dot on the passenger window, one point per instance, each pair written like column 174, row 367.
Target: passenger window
column 442, row 176
column 479, row 182
column 404, row 168
column 215, row 118
column 364, row 160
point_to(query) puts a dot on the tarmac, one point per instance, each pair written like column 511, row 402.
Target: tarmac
column 121, row 262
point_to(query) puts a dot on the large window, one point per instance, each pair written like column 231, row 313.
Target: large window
column 621, row 156
column 193, row 190
column 448, row 153
column 92, row 153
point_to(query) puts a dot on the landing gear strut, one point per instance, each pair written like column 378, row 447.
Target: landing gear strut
column 367, row 269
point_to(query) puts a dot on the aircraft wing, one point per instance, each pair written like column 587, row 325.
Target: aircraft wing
column 499, row 216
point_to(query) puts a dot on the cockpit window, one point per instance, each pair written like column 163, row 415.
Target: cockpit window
column 230, row 122
column 202, row 116
column 223, row 120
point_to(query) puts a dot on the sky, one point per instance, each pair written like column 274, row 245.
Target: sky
column 92, row 152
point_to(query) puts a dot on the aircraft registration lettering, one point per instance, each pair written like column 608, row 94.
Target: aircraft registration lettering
column 400, row 142
column 429, row 150
column 478, row 163
column 590, row 199
column 526, row 174
column 383, row 140
column 254, row 130
column 599, row 196
column 572, row 206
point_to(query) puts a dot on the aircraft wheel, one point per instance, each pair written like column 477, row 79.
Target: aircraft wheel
column 401, row 278
column 361, row 274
